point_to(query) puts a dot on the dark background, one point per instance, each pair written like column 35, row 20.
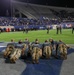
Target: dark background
column 5, row 5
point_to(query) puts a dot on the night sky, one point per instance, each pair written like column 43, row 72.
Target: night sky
column 5, row 4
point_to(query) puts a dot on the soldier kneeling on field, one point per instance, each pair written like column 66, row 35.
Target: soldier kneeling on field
column 8, row 50
column 24, row 48
column 36, row 52
column 47, row 49
column 24, row 52
column 15, row 55
column 63, row 49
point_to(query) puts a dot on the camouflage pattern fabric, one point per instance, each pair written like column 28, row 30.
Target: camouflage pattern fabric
column 47, row 51
column 8, row 50
column 25, row 49
column 36, row 54
column 15, row 55
column 63, row 51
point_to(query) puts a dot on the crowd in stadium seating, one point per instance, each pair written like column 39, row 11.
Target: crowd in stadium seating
column 4, row 21
column 22, row 24
column 13, row 21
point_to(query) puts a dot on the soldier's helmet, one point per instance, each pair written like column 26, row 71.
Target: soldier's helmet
column 20, row 42
column 12, row 40
column 26, row 39
column 36, row 41
column 60, row 40
column 50, row 39
column 46, row 40
column 11, row 47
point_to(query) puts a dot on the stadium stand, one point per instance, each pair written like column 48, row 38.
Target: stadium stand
column 36, row 17
column 42, row 23
column 36, row 11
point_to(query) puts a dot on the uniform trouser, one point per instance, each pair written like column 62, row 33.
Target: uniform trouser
column 63, row 49
column 36, row 53
column 0, row 31
column 23, row 30
column 47, row 31
column 26, row 31
column 47, row 50
column 7, row 52
column 54, row 49
column 72, row 30
column 16, row 54
column 24, row 49
column 59, row 30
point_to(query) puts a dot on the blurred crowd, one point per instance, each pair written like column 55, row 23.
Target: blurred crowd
column 13, row 21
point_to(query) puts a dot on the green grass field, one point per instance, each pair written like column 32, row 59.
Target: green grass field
column 66, row 36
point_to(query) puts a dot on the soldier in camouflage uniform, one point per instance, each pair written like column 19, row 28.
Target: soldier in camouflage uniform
column 25, row 49
column 8, row 50
column 47, row 49
column 54, row 45
column 15, row 55
column 36, row 52
column 62, row 47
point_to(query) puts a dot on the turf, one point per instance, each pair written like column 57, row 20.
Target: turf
column 66, row 36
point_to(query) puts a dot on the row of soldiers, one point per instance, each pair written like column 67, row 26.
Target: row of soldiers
column 36, row 50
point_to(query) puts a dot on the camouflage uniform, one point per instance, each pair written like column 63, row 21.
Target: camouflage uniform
column 8, row 50
column 63, row 50
column 54, row 45
column 15, row 55
column 36, row 52
column 47, row 49
column 25, row 49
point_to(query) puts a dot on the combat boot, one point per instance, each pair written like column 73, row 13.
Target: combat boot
column 62, row 56
column 33, row 61
column 65, row 56
column 37, row 61
column 47, row 56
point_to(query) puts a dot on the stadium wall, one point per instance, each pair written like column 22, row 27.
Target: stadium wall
column 33, row 27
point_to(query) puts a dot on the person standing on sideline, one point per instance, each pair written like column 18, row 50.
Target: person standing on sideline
column 59, row 29
column 23, row 29
column 72, row 28
column 48, row 28
column 0, row 30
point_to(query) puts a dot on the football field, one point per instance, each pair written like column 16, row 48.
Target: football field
column 42, row 35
